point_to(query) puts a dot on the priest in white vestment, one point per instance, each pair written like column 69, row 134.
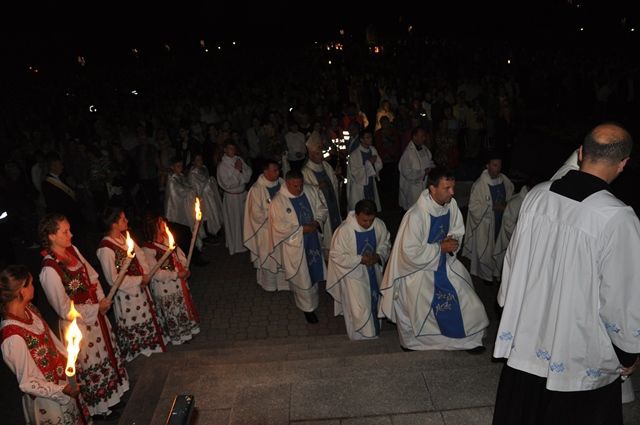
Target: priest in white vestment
column 180, row 199
column 487, row 201
column 269, row 275
column 426, row 290
column 363, row 172
column 319, row 174
column 296, row 216
column 359, row 250
column 570, row 326
column 414, row 166
column 233, row 176
column 509, row 221
column 206, row 188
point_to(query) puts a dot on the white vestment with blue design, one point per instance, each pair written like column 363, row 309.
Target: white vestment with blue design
column 269, row 275
column 351, row 283
column 288, row 244
column 427, row 293
column 588, row 295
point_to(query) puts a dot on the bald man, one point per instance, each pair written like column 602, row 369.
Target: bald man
column 570, row 327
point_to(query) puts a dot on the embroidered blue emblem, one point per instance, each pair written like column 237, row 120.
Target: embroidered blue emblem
column 506, row 336
column 636, row 333
column 612, row 327
column 543, row 354
column 594, row 373
column 557, row 367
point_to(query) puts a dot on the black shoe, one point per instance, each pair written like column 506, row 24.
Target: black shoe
column 311, row 317
column 477, row 350
column 406, row 350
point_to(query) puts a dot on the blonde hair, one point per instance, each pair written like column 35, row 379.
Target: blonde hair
column 12, row 279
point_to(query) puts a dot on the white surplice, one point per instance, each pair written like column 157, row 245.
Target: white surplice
column 413, row 180
column 408, row 285
column 576, row 264
column 286, row 235
column 509, row 221
column 308, row 172
column 358, row 173
column 233, row 182
column 480, row 238
column 206, row 188
column 269, row 275
column 348, row 279
column 179, row 204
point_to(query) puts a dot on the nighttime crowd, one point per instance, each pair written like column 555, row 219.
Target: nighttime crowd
column 286, row 154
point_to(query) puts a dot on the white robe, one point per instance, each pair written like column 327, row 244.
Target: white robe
column 408, row 285
column 509, row 221
column 286, row 235
column 570, row 289
column 348, row 279
column 413, row 180
column 233, row 183
column 480, row 237
column 256, row 236
column 179, row 204
column 206, row 188
column 308, row 171
column 358, row 174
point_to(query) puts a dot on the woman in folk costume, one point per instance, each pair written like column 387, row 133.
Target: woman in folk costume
column 35, row 355
column 66, row 276
column 169, row 286
column 139, row 330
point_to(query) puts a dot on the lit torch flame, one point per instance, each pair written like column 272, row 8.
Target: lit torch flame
column 130, row 245
column 73, row 336
column 172, row 244
column 198, row 212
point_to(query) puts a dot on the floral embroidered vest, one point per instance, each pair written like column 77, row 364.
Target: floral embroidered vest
column 135, row 269
column 168, row 265
column 76, row 283
column 44, row 353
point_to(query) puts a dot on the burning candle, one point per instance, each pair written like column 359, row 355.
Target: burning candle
column 166, row 254
column 73, row 336
column 196, row 227
column 123, row 268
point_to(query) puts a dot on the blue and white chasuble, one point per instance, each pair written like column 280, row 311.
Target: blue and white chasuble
column 445, row 304
column 368, row 188
column 366, row 244
column 325, row 185
column 312, row 247
column 498, row 196
column 273, row 190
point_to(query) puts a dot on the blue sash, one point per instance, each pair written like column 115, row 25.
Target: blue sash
column 498, row 196
column 312, row 247
column 445, row 304
column 368, row 188
column 273, row 190
column 366, row 244
column 326, row 187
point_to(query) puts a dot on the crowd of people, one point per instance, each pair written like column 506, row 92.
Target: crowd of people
column 294, row 180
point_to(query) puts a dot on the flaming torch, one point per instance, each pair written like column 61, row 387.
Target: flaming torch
column 73, row 336
column 123, row 268
column 196, row 227
column 166, row 254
